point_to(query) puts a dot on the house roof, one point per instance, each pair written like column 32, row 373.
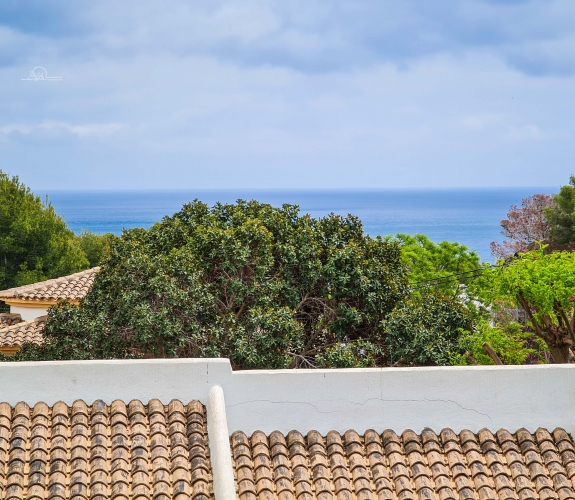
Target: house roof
column 387, row 466
column 8, row 319
column 20, row 333
column 72, row 287
column 161, row 452
column 104, row 452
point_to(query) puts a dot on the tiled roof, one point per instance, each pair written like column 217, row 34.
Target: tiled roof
column 8, row 319
column 102, row 452
column 73, row 287
column 20, row 333
column 448, row 466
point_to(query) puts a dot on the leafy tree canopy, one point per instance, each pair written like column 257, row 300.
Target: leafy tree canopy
column 445, row 267
column 561, row 217
column 95, row 246
column 263, row 286
column 424, row 329
column 544, row 286
column 35, row 243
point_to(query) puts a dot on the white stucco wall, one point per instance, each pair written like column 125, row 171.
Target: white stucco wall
column 67, row 381
column 28, row 313
column 396, row 398
column 508, row 397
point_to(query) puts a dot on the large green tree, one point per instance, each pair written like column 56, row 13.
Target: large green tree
column 561, row 217
column 263, row 286
column 448, row 268
column 35, row 243
column 543, row 284
column 95, row 246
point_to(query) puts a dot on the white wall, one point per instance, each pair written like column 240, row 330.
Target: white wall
column 396, row 398
column 403, row 398
column 28, row 313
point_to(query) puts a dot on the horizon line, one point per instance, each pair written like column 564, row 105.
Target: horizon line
column 370, row 189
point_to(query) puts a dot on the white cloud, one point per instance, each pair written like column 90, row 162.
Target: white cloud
column 480, row 121
column 84, row 130
column 262, row 93
column 530, row 133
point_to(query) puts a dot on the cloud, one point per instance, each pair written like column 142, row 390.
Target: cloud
column 481, row 121
column 529, row 133
column 314, row 93
column 55, row 128
column 535, row 37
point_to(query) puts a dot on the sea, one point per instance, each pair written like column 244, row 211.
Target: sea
column 469, row 216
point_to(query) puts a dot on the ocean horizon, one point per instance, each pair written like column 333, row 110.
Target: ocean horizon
column 470, row 216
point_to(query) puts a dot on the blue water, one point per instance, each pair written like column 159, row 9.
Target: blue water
column 469, row 216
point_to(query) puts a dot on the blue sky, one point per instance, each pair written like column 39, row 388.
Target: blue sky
column 288, row 94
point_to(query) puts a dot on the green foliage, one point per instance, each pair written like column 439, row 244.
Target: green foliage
column 561, row 217
column 35, row 243
column 356, row 354
column 544, row 286
column 263, row 286
column 433, row 266
column 546, row 282
column 95, row 246
column 510, row 342
column 424, row 330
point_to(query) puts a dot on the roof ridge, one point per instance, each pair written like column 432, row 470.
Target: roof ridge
column 41, row 284
column 73, row 286
column 16, row 326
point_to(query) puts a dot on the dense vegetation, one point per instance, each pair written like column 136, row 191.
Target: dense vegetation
column 35, row 242
column 263, row 286
column 271, row 288
column 543, row 285
column 561, row 216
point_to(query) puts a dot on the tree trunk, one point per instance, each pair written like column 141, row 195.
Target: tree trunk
column 560, row 354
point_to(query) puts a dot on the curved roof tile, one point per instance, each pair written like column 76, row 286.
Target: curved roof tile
column 410, row 466
column 73, row 287
column 20, row 333
column 119, row 451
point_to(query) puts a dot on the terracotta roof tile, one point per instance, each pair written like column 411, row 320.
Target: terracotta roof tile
column 387, row 466
column 7, row 319
column 103, row 452
column 73, row 287
column 20, row 333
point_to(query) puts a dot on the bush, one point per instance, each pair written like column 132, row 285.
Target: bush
column 510, row 343
column 424, row 330
column 263, row 286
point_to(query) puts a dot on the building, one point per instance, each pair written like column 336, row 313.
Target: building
column 29, row 306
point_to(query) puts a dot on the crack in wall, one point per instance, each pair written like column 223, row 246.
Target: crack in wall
column 355, row 403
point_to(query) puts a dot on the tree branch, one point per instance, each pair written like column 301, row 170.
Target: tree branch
column 527, row 309
column 492, row 354
column 563, row 316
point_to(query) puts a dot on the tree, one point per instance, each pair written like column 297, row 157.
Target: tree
column 424, row 330
column 544, row 286
column 263, row 286
column 448, row 268
column 524, row 225
column 35, row 243
column 561, row 216
column 95, row 246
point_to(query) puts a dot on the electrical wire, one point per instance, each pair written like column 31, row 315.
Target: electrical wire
column 474, row 273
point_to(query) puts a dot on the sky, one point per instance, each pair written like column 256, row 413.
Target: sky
column 287, row 94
